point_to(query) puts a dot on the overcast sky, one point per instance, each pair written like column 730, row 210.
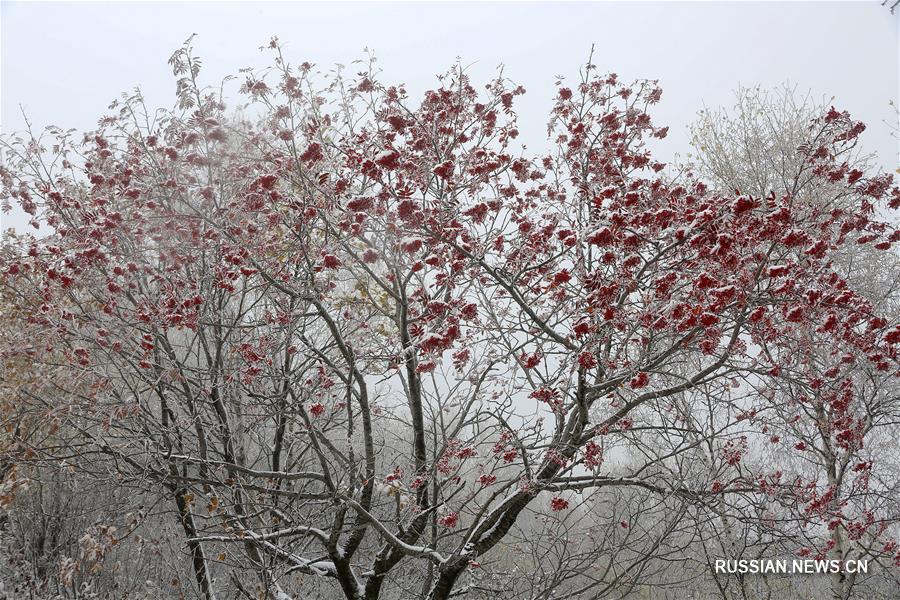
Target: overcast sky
column 64, row 62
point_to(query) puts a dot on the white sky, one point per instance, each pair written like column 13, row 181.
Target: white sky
column 64, row 62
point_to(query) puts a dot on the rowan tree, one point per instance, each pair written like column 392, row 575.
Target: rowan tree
column 359, row 344
column 764, row 143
